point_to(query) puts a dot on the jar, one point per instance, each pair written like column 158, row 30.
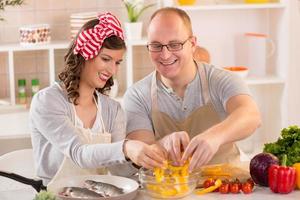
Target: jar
column 22, row 91
column 35, row 86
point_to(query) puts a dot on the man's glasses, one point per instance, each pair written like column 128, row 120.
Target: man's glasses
column 173, row 46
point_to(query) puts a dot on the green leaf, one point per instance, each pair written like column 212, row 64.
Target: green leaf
column 45, row 195
column 134, row 13
column 288, row 143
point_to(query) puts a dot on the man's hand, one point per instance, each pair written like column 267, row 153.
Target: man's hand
column 201, row 149
column 145, row 155
column 175, row 143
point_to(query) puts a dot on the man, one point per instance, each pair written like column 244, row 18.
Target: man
column 194, row 110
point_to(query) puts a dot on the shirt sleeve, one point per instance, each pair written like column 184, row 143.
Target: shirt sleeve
column 225, row 85
column 49, row 116
column 137, row 109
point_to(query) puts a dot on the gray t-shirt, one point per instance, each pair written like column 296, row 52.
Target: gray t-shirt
column 54, row 135
column 137, row 99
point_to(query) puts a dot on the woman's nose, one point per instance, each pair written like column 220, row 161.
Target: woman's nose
column 113, row 68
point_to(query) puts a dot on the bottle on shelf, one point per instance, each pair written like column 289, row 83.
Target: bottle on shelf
column 35, row 86
column 22, row 91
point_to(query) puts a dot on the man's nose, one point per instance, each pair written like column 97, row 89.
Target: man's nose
column 165, row 53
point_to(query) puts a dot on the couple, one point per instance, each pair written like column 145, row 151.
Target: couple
column 183, row 110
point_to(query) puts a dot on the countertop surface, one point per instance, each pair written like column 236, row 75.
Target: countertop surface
column 14, row 123
column 260, row 193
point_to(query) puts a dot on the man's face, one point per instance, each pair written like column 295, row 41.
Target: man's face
column 168, row 28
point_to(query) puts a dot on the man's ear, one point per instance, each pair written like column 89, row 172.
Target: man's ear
column 194, row 42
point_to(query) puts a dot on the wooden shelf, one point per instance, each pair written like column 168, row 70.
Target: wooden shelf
column 21, row 47
column 269, row 80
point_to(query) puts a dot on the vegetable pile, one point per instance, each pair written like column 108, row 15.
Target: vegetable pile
column 288, row 143
column 226, row 186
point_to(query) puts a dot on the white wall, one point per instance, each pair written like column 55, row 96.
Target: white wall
column 294, row 68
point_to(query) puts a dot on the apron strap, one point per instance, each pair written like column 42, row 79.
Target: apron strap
column 204, row 87
column 154, row 92
column 204, row 83
column 99, row 111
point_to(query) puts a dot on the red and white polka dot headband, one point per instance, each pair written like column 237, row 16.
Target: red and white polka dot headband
column 89, row 42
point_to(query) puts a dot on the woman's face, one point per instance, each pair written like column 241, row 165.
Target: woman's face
column 98, row 70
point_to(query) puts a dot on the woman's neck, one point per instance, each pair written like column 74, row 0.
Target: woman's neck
column 86, row 95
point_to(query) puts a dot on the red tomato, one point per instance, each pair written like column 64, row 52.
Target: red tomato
column 208, row 182
column 224, row 188
column 247, row 188
column 234, row 188
column 251, row 182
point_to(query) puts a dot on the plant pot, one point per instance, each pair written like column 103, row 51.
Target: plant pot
column 133, row 30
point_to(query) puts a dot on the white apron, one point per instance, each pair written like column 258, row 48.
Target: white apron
column 68, row 168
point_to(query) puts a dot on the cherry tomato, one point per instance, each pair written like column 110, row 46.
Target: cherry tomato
column 209, row 182
column 247, row 188
column 234, row 188
column 238, row 182
column 224, row 188
column 251, row 182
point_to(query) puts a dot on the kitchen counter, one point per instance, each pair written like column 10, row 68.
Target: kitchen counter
column 260, row 193
column 14, row 123
column 14, row 129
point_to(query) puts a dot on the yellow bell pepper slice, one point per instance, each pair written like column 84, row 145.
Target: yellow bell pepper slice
column 218, row 183
column 170, row 175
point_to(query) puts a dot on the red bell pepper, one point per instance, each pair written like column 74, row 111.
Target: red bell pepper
column 282, row 179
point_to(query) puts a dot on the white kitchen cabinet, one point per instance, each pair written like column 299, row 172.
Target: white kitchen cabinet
column 10, row 49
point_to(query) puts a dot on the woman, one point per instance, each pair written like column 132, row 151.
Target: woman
column 72, row 122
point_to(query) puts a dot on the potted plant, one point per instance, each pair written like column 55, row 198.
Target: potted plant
column 133, row 27
column 4, row 3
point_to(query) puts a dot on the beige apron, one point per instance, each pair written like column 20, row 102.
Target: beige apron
column 68, row 168
column 197, row 122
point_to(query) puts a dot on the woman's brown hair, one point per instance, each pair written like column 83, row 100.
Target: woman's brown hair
column 74, row 64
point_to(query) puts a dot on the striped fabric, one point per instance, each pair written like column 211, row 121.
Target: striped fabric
column 89, row 42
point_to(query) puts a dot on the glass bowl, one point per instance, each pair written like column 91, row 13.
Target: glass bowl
column 170, row 187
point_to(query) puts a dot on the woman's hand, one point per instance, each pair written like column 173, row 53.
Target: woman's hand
column 201, row 149
column 145, row 155
column 175, row 144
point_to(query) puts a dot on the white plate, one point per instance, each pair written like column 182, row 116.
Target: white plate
column 129, row 186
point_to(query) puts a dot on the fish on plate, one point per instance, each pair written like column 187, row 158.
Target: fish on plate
column 104, row 189
column 79, row 192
